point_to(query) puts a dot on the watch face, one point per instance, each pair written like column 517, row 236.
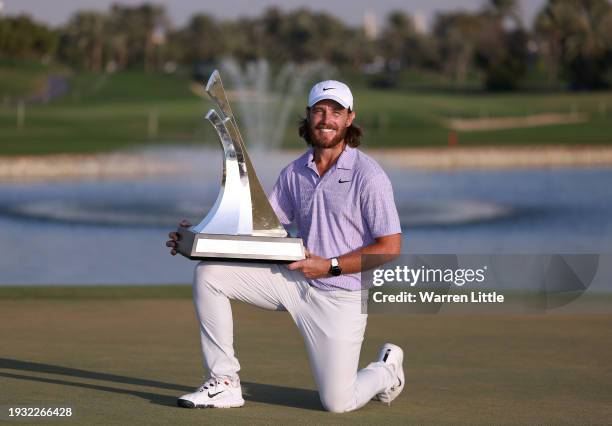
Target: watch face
column 335, row 269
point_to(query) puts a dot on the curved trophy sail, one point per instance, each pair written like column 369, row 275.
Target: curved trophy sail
column 242, row 223
column 264, row 220
column 232, row 210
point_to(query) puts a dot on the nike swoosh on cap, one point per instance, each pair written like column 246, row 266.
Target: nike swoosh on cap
column 327, row 88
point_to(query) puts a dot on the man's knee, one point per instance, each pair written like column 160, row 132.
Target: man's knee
column 336, row 403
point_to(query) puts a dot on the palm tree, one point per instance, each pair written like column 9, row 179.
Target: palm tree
column 505, row 12
column 398, row 37
column 576, row 36
column 134, row 30
column 502, row 45
column 202, row 35
column 86, row 32
column 457, row 34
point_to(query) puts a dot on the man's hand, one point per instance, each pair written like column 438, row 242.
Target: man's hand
column 175, row 237
column 312, row 267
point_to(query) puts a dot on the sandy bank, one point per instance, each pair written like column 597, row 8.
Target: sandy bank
column 102, row 166
column 82, row 166
column 500, row 157
column 535, row 120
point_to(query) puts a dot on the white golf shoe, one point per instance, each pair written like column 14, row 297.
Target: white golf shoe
column 214, row 393
column 394, row 356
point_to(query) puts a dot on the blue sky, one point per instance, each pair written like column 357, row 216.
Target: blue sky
column 351, row 11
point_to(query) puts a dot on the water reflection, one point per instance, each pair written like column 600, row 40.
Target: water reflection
column 107, row 232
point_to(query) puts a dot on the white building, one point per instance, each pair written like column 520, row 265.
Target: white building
column 370, row 26
column 420, row 22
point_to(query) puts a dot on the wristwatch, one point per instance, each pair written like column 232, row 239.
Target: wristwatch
column 335, row 269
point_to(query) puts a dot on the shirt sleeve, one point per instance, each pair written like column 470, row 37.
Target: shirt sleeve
column 378, row 206
column 280, row 200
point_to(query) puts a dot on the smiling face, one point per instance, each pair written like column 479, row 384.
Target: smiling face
column 327, row 122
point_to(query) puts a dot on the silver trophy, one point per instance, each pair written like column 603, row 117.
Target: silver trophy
column 241, row 223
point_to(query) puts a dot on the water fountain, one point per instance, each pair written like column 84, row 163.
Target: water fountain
column 266, row 99
column 127, row 221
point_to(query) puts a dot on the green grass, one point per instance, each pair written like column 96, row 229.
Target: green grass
column 24, row 79
column 109, row 112
column 118, row 361
column 103, row 113
column 106, row 292
column 404, row 119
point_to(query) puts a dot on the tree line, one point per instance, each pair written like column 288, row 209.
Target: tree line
column 570, row 39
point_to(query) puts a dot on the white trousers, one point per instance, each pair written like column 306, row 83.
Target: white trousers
column 330, row 322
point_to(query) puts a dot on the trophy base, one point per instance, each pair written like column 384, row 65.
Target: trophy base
column 239, row 247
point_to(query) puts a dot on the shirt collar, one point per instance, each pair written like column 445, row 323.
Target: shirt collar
column 345, row 161
column 310, row 161
column 309, row 157
column 347, row 158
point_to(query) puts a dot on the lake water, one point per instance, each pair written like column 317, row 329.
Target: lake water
column 113, row 231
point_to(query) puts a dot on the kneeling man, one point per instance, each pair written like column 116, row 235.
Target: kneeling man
column 341, row 202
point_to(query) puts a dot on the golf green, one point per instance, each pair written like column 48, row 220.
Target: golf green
column 103, row 112
column 120, row 361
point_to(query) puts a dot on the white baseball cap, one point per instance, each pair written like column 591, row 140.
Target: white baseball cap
column 331, row 89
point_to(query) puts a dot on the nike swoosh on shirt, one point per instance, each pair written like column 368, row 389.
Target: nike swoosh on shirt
column 343, row 181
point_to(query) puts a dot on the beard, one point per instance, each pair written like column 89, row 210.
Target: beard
column 320, row 143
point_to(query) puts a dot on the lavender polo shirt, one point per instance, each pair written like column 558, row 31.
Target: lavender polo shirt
column 346, row 209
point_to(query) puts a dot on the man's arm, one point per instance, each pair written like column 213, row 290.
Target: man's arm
column 386, row 248
column 380, row 214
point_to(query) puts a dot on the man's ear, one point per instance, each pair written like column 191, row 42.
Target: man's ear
column 307, row 110
column 351, row 117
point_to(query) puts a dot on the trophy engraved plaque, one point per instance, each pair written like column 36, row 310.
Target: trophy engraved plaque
column 241, row 223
